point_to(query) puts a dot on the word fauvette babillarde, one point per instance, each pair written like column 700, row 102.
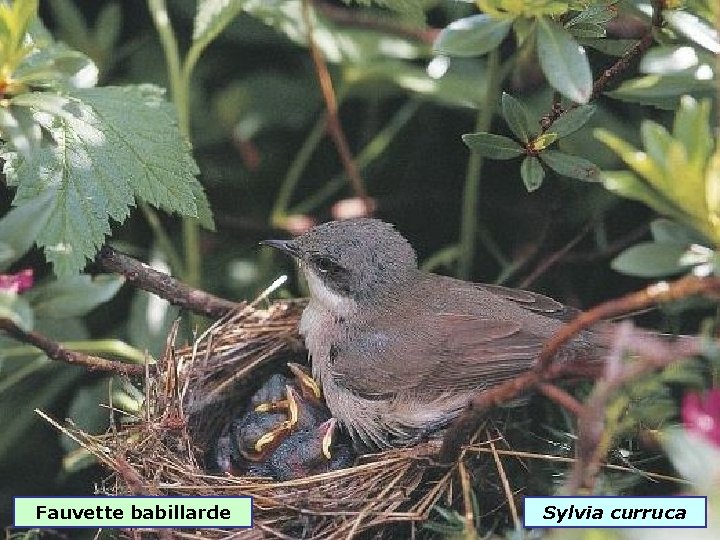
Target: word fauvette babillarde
column 133, row 512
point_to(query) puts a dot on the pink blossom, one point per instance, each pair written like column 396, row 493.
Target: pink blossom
column 17, row 283
column 701, row 414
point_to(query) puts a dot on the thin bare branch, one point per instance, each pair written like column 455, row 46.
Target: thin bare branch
column 164, row 285
column 55, row 351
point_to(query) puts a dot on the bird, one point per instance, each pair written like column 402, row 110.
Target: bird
column 255, row 434
column 399, row 352
column 310, row 451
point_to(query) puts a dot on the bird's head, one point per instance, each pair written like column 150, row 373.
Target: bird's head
column 358, row 260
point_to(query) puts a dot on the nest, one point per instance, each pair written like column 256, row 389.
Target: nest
column 190, row 398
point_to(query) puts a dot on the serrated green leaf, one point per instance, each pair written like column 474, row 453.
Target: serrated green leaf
column 472, row 36
column 651, row 259
column 212, row 17
column 572, row 120
column 599, row 14
column 204, row 212
column 411, row 10
column 103, row 155
column 569, row 165
column 532, row 173
column 492, row 146
column 516, row 116
column 73, row 296
column 563, row 61
column 20, row 227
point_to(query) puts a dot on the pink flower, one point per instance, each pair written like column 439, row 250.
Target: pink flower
column 17, row 283
column 701, row 414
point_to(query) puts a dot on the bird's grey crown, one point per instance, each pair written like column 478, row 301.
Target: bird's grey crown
column 370, row 255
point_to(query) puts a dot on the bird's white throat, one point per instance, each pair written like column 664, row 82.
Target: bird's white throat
column 325, row 299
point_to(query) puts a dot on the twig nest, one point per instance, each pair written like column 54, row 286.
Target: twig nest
column 198, row 390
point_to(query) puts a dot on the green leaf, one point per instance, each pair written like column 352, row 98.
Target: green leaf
column 532, row 173
column 626, row 184
column 149, row 322
column 572, row 120
column 694, row 28
column 663, row 91
column 667, row 231
column 667, row 60
column 20, row 227
column 493, row 146
column 472, row 36
column 86, row 413
column 102, row 155
column 599, row 14
column 70, row 22
column 41, row 390
column 517, row 117
column 651, row 259
column 544, row 140
column 656, row 141
column 107, row 27
column 563, row 61
column 611, row 47
column 17, row 309
column 413, row 11
column 73, row 296
column 587, row 30
column 211, row 19
column 692, row 129
column 19, row 129
column 572, row 166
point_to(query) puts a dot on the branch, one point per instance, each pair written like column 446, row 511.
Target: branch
column 652, row 353
column 334, row 127
column 620, row 66
column 163, row 285
column 55, row 351
column 358, row 19
column 545, row 370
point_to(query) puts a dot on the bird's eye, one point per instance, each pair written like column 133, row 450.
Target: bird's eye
column 326, row 265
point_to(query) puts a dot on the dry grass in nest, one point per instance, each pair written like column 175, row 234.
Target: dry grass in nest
column 199, row 388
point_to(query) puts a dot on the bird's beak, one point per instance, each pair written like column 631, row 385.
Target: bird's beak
column 286, row 246
column 328, row 428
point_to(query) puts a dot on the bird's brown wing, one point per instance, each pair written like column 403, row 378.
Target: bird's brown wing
column 533, row 301
column 454, row 353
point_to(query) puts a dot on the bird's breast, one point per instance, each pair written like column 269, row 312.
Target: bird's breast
column 319, row 328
